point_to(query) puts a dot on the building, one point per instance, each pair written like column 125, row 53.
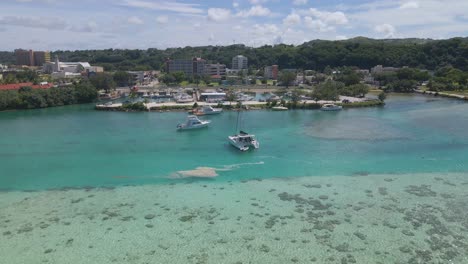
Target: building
column 215, row 69
column 239, row 62
column 271, row 72
column 185, row 66
column 190, row 68
column 41, row 57
column 380, row 69
column 31, row 58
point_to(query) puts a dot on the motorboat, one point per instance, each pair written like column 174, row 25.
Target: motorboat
column 244, row 141
column 279, row 108
column 331, row 107
column 183, row 98
column 209, row 110
column 193, row 123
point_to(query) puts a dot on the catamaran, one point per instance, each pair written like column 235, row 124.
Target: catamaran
column 243, row 141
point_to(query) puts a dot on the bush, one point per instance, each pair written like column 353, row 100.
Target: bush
column 140, row 106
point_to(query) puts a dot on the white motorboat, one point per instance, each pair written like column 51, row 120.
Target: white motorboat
column 208, row 110
column 183, row 98
column 279, row 108
column 244, row 141
column 193, row 123
column 331, row 107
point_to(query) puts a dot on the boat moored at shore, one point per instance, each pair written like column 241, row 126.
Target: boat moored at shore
column 331, row 107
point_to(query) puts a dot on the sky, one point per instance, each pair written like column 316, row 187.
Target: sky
column 142, row 24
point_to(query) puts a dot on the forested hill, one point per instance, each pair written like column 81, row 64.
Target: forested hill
column 315, row 55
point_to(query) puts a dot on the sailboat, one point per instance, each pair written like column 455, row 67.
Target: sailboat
column 243, row 141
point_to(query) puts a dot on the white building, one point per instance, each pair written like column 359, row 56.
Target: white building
column 239, row 62
column 69, row 67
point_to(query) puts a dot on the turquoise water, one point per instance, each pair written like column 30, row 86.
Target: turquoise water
column 372, row 185
column 77, row 146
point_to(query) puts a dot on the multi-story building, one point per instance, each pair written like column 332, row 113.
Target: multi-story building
column 239, row 62
column 215, row 69
column 31, row 58
column 271, row 72
column 24, row 57
column 195, row 66
column 380, row 69
column 41, row 57
column 199, row 66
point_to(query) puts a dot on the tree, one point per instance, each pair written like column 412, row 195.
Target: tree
column 356, row 90
column 85, row 92
column 122, row 78
column 287, row 78
column 103, row 81
column 382, row 96
column 327, row 91
column 179, row 77
column 206, row 79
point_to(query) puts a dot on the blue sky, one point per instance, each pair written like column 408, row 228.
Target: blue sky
column 100, row 24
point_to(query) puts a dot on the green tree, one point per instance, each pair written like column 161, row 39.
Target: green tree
column 287, row 78
column 122, row 78
column 382, row 96
column 85, row 92
column 103, row 81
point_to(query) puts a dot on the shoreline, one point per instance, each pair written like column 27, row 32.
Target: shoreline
column 252, row 105
column 443, row 94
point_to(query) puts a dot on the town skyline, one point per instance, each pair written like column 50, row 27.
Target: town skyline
column 142, row 24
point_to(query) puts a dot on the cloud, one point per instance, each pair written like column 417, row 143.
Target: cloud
column 317, row 25
column 265, row 29
column 52, row 23
column 341, row 37
column 135, row 20
column 410, row 5
column 172, row 6
column 292, row 19
column 336, row 18
column 235, row 4
column 300, row 2
column 387, row 29
column 255, row 11
column 162, row 19
column 219, row 14
column 89, row 26
column 256, row 2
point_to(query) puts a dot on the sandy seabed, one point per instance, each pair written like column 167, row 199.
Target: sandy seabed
column 409, row 218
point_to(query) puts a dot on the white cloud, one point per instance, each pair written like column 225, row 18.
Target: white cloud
column 292, row 19
column 410, row 5
column 387, row 29
column 89, row 26
column 255, row 11
column 162, row 19
column 34, row 22
column 265, row 29
column 336, row 18
column 300, row 2
column 341, row 37
column 235, row 4
column 256, row 2
column 135, row 20
column 237, row 27
column 219, row 14
column 316, row 25
column 173, row 6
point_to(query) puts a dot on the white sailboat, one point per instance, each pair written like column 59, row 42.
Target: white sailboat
column 243, row 141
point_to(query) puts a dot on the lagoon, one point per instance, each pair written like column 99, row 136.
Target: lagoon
column 370, row 185
column 77, row 146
